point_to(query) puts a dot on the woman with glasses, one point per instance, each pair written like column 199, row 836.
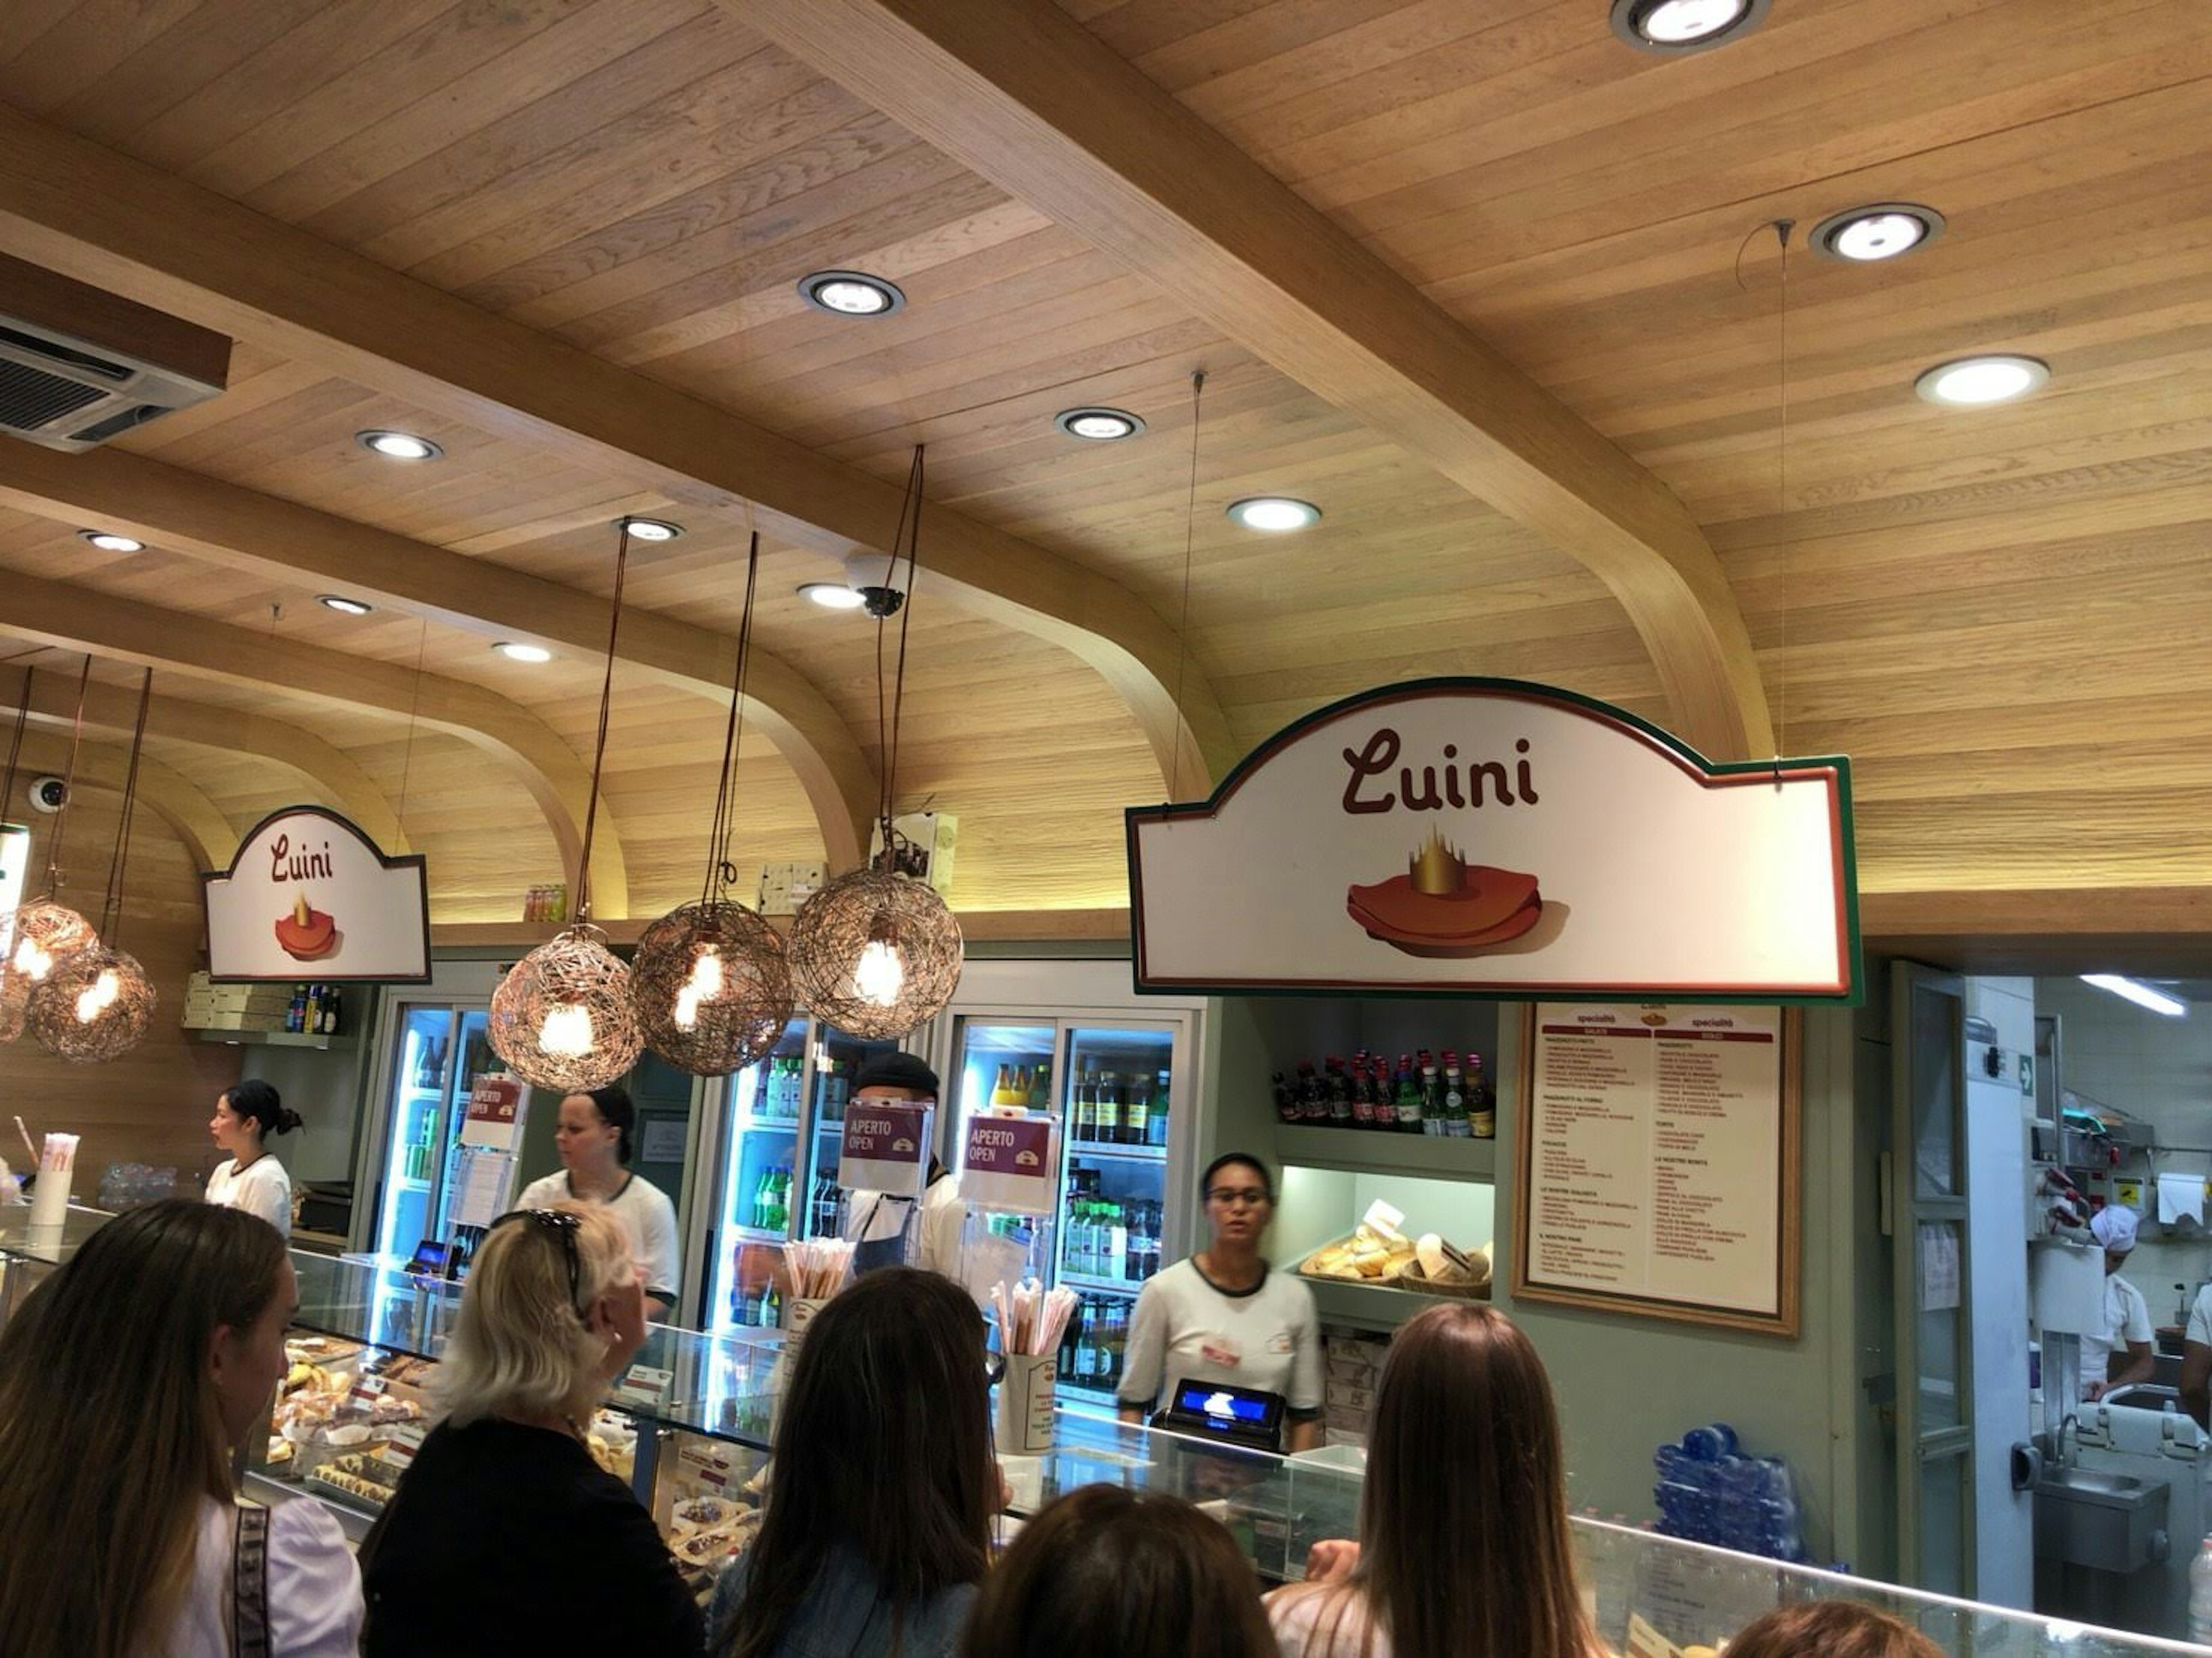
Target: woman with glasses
column 1221, row 1317
column 877, row 1527
column 505, row 1535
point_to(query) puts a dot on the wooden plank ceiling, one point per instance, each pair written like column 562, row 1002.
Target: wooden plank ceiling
column 2000, row 615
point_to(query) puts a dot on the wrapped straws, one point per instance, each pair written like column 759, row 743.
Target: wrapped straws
column 816, row 1266
column 1031, row 1319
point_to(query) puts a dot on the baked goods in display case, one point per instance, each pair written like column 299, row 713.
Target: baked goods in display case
column 1379, row 1252
column 338, row 1400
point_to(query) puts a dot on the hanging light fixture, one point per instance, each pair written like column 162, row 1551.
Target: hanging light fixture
column 711, row 983
column 95, row 1003
column 46, row 932
column 561, row 1019
column 876, row 952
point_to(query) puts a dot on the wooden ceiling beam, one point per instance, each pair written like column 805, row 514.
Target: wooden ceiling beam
column 73, row 618
column 105, row 219
column 329, row 770
column 1024, row 94
column 242, row 530
column 199, row 823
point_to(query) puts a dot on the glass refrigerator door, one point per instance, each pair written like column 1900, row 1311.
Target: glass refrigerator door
column 1114, row 1192
column 833, row 1060
column 476, row 1059
column 998, row 1062
column 761, row 1154
column 415, row 1141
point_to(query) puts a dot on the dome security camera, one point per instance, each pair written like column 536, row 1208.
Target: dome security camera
column 874, row 577
column 49, row 794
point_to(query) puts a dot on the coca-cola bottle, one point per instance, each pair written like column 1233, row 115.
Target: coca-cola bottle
column 1287, row 1100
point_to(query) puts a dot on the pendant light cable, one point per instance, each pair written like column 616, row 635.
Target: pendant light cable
column 721, row 872
column 1182, row 620
column 909, row 530
column 54, row 876
column 1782, row 229
column 599, row 745
column 111, row 915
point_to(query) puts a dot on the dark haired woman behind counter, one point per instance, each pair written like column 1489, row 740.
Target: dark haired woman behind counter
column 593, row 1137
column 245, row 1114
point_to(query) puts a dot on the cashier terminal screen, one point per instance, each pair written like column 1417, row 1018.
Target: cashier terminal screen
column 1241, row 1414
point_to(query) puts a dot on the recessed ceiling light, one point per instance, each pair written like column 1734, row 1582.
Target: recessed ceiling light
column 1882, row 230
column 108, row 541
column 343, row 605
column 515, row 653
column 650, row 529
column 1969, row 382
column 1098, row 425
column 832, row 595
column 1275, row 512
column 1680, row 25
column 850, row 294
column 398, row 446
column 2140, row 994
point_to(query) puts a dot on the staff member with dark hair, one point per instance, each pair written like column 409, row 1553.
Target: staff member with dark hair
column 875, row 1222
column 245, row 1115
column 1223, row 1317
column 593, row 1137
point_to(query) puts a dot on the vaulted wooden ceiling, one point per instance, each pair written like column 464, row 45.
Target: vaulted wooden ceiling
column 1486, row 285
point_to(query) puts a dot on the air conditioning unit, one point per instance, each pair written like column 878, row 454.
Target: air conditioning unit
column 78, row 367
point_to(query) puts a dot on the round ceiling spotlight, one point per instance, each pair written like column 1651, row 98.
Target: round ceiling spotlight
column 850, row 294
column 832, row 595
column 343, row 605
column 1675, row 27
column 1098, row 425
column 515, row 653
column 1274, row 513
column 1882, row 230
column 398, row 445
column 1973, row 382
column 108, row 541
column 649, row 529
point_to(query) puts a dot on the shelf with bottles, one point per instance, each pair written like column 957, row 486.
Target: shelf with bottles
column 1110, row 1235
column 1119, row 1106
column 1094, row 1344
column 1108, row 1286
column 1428, row 1095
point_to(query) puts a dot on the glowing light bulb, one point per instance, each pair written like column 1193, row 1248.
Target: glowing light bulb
column 880, row 976
column 96, row 998
column 566, row 1031
column 687, row 1008
column 32, row 962
column 707, row 974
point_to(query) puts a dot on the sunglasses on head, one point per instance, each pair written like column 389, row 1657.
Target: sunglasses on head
column 560, row 1221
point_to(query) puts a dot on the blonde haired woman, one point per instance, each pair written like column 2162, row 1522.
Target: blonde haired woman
column 1463, row 1550
column 124, row 1381
column 504, row 1535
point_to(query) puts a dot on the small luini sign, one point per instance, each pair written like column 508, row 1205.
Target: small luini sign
column 1492, row 837
column 309, row 896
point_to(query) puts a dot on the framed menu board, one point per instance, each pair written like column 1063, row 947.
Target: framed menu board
column 1659, row 1168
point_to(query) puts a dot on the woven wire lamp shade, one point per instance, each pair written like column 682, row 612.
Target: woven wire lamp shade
column 875, row 954
column 712, row 987
column 561, row 1019
column 95, row 1004
column 46, row 934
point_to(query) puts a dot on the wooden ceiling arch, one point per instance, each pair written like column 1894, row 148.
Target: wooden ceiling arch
column 208, row 835
column 56, row 613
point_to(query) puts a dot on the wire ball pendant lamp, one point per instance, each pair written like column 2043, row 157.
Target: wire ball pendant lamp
column 561, row 1019
column 96, row 1003
column 876, row 952
column 711, row 984
column 46, row 932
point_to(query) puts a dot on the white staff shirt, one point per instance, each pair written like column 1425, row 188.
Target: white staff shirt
column 2127, row 1318
column 1186, row 1328
column 263, row 1187
column 646, row 1213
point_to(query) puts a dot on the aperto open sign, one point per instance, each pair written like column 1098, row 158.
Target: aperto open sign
column 886, row 1148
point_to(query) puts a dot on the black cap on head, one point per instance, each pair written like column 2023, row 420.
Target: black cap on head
column 897, row 1071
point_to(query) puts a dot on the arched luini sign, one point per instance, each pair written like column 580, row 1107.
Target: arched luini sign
column 309, row 896
column 1492, row 837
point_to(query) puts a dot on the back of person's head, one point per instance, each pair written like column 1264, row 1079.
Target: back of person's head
column 258, row 1102
column 884, row 1450
column 1107, row 1573
column 112, row 1425
column 521, row 1343
column 1830, row 1629
column 617, row 1111
column 1463, row 1516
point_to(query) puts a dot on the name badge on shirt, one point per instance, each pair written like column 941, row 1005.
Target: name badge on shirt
column 1220, row 1350
column 1280, row 1343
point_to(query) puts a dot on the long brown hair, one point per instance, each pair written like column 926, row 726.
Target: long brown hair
column 1105, row 1573
column 110, row 1427
column 885, row 1449
column 1464, row 1518
column 1830, row 1629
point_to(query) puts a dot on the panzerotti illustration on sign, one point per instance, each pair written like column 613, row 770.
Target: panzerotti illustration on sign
column 309, row 896
column 1493, row 837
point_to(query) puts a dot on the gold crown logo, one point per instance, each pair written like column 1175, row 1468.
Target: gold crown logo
column 1438, row 868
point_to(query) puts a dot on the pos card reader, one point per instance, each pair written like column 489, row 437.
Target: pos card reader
column 1234, row 1415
